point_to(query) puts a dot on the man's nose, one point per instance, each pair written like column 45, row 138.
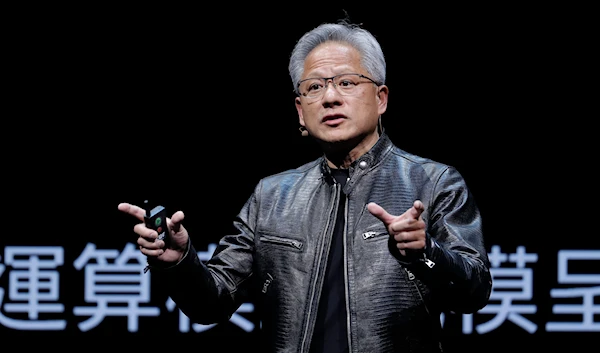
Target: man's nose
column 333, row 89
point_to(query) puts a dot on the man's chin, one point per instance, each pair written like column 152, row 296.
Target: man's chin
column 336, row 136
column 338, row 140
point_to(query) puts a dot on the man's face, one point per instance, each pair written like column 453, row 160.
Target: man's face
column 336, row 115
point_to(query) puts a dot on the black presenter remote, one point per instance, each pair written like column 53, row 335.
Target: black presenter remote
column 156, row 218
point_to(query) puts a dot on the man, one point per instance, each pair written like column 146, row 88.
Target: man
column 357, row 251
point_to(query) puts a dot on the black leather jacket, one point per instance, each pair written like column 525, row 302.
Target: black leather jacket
column 278, row 256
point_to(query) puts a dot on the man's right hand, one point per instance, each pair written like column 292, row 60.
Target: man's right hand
column 149, row 245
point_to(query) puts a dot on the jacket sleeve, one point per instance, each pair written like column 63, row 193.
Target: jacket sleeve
column 210, row 292
column 455, row 265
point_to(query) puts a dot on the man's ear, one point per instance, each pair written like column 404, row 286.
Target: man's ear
column 382, row 91
column 299, row 110
column 382, row 94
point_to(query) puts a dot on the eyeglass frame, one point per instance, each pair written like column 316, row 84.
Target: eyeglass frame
column 327, row 79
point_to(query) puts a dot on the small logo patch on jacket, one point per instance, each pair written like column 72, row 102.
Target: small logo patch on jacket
column 267, row 283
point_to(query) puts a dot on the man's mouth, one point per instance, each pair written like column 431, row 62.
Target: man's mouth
column 333, row 120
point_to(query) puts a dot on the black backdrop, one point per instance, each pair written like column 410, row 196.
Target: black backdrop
column 190, row 106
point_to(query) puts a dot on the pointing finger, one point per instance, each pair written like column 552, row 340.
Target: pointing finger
column 380, row 213
column 133, row 210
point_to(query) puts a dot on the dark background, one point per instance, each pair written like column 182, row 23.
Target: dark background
column 189, row 106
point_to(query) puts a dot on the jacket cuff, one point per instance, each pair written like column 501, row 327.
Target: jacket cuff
column 419, row 257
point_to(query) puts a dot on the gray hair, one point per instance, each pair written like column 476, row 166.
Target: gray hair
column 372, row 58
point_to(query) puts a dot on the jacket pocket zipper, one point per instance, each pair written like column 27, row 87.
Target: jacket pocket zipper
column 283, row 241
column 371, row 234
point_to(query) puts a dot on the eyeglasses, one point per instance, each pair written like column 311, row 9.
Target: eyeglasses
column 346, row 85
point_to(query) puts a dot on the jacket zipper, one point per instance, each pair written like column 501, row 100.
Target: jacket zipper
column 283, row 241
column 347, row 295
column 411, row 278
column 329, row 231
column 427, row 261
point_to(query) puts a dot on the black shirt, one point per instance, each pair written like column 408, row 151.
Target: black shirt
column 331, row 333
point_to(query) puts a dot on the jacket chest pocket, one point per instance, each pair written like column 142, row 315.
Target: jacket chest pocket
column 281, row 264
column 278, row 251
column 285, row 243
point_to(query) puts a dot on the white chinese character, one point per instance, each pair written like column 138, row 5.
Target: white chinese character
column 236, row 318
column 33, row 287
column 586, row 309
column 509, row 285
column 121, row 281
